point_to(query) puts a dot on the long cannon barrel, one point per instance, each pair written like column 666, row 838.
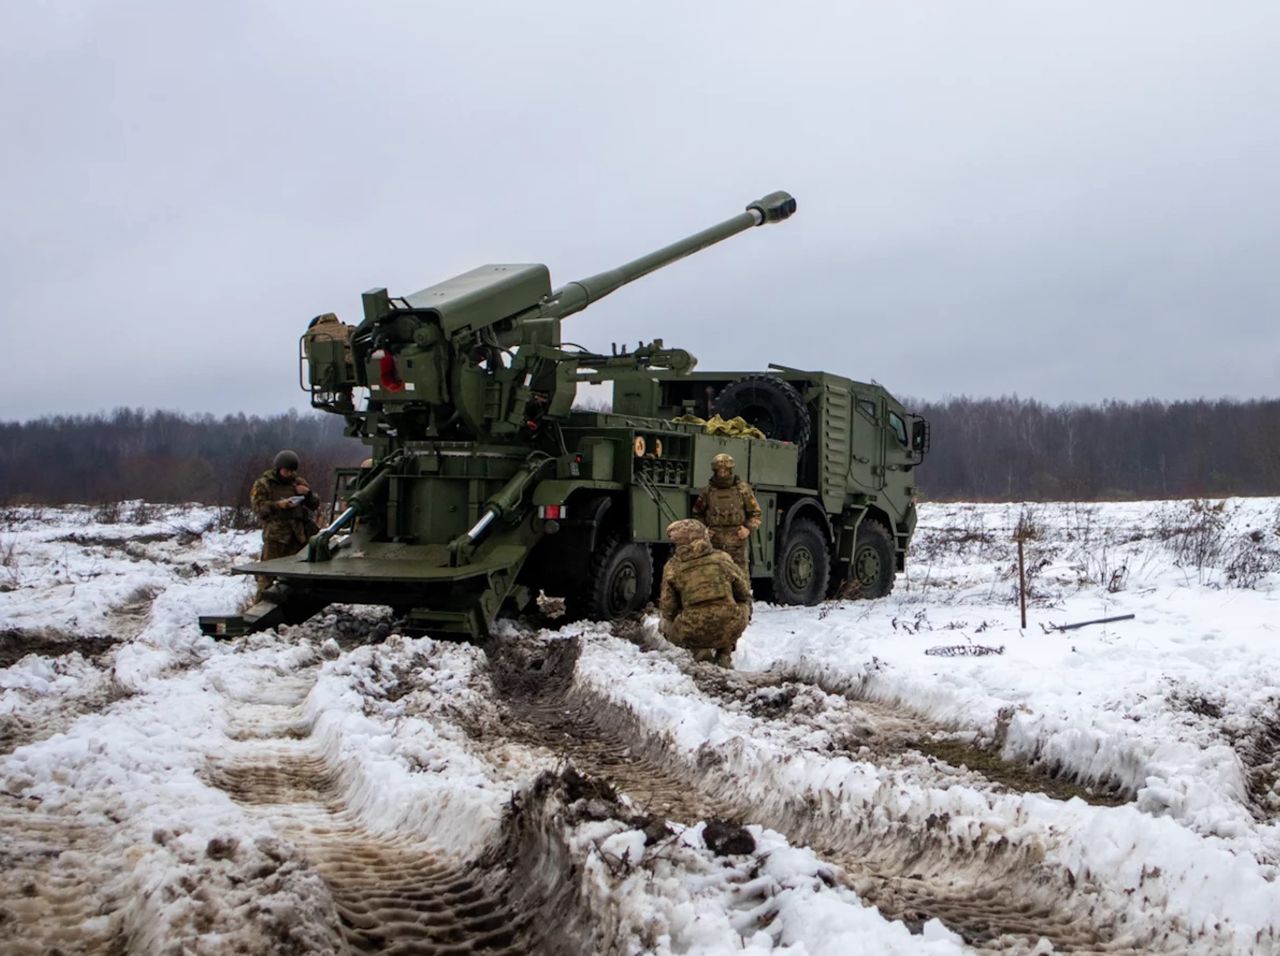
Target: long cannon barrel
column 576, row 296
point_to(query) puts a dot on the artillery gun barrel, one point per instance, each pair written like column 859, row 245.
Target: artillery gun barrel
column 576, row 296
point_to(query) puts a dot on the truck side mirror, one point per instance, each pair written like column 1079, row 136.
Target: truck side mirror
column 920, row 436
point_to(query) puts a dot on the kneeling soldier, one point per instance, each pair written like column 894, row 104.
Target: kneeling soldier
column 706, row 600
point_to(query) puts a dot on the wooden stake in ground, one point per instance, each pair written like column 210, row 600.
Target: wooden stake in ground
column 1022, row 584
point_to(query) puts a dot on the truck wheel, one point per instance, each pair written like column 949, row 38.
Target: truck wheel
column 804, row 565
column 871, row 573
column 768, row 403
column 621, row 579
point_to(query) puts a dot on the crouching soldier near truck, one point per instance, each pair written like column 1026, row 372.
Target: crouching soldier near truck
column 728, row 507
column 285, row 504
column 705, row 601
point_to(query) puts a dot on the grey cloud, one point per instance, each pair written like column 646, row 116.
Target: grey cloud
column 1067, row 202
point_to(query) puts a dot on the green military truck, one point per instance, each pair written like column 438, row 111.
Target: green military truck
column 485, row 487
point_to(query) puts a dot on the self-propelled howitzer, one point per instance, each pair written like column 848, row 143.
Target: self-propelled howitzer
column 483, row 486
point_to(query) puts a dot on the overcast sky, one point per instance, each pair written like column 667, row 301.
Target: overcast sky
column 1069, row 202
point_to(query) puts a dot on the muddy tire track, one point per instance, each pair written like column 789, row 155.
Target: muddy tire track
column 868, row 726
column 998, row 896
column 58, row 893
column 392, row 894
column 536, row 680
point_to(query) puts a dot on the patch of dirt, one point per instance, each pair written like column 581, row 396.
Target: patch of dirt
column 348, row 625
column 1259, row 749
column 114, row 541
column 16, row 644
column 728, row 839
column 1194, row 702
column 1014, row 775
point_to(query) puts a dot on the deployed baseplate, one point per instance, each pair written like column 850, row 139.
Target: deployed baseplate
column 266, row 613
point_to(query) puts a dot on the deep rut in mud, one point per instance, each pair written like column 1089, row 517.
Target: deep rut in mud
column 391, row 894
column 16, row 643
column 536, row 682
column 998, row 897
column 872, row 727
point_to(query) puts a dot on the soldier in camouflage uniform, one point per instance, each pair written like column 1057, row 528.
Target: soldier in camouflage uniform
column 728, row 507
column 706, row 601
column 287, row 522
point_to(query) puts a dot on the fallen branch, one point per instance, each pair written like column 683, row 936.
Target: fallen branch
column 1100, row 620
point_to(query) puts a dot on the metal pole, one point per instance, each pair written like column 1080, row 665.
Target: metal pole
column 1022, row 584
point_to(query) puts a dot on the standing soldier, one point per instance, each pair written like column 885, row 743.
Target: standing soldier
column 728, row 507
column 284, row 502
column 705, row 601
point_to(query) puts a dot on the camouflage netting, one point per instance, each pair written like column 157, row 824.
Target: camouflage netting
column 734, row 427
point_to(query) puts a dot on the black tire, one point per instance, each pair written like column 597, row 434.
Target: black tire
column 621, row 579
column 872, row 570
column 768, row 403
column 803, row 567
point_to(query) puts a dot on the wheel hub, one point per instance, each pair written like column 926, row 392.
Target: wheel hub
column 867, row 566
column 800, row 568
column 623, row 591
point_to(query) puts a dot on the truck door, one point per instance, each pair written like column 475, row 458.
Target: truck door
column 899, row 482
column 866, row 453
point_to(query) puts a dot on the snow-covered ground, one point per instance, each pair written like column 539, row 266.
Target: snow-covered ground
column 918, row 774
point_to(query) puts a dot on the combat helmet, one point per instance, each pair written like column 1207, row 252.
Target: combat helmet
column 285, row 459
column 686, row 531
column 722, row 459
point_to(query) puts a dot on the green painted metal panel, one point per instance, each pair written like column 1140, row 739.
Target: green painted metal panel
column 649, row 518
column 390, row 561
column 706, row 447
column 772, row 464
column 763, row 542
column 836, row 437
column 484, row 295
column 558, row 491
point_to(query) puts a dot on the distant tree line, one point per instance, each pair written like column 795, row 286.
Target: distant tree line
column 1004, row 449
column 1012, row 449
column 163, row 456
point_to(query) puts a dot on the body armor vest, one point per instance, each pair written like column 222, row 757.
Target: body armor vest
column 724, row 507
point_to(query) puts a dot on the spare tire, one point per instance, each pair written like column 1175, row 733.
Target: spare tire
column 768, row 403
